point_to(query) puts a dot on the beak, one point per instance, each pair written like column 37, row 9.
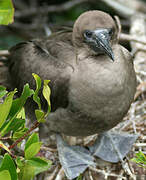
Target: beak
column 102, row 40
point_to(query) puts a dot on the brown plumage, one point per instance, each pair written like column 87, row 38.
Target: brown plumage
column 90, row 93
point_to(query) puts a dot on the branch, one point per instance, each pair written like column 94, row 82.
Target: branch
column 5, row 138
column 138, row 31
column 52, row 176
column 49, row 9
column 60, row 175
column 36, row 124
column 120, row 8
column 4, row 53
column 131, row 38
column 126, row 9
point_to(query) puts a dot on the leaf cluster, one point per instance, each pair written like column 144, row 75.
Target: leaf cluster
column 140, row 159
column 12, row 126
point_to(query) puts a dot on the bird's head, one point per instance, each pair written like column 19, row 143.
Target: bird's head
column 96, row 31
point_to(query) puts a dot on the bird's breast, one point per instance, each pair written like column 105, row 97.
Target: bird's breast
column 102, row 90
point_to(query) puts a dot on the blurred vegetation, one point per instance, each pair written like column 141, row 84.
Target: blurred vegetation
column 34, row 18
column 32, row 26
column 8, row 40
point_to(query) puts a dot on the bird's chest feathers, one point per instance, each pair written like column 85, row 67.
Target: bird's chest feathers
column 98, row 77
column 92, row 83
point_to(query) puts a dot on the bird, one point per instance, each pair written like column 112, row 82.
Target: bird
column 92, row 78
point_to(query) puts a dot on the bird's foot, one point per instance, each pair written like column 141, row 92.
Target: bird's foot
column 113, row 146
column 109, row 146
column 74, row 159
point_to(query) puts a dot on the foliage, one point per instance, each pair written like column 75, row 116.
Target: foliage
column 6, row 12
column 140, row 159
column 12, row 126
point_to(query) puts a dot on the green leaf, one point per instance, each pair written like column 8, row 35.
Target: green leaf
column 5, row 107
column 38, row 86
column 135, row 160
column 19, row 133
column 40, row 115
column 4, row 147
column 32, row 139
column 1, row 160
column 5, row 175
column 19, row 102
column 8, row 164
column 79, row 177
column 13, row 125
column 21, row 114
column 20, row 162
column 46, row 94
column 26, row 172
column 39, row 164
column 2, row 88
column 140, row 159
column 42, row 168
column 3, row 91
column 6, row 12
column 32, row 150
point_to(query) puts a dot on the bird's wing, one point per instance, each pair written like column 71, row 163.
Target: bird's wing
column 49, row 59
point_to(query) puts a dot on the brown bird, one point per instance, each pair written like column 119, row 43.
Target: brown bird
column 92, row 77
column 90, row 93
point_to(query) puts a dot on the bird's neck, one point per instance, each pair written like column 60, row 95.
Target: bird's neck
column 85, row 54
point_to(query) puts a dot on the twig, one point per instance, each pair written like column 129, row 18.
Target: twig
column 49, row 9
column 5, row 138
column 90, row 175
column 130, row 167
column 141, row 88
column 13, row 155
column 51, row 177
column 140, row 145
column 4, row 53
column 48, row 149
column 106, row 174
column 25, row 26
column 60, row 174
column 36, row 124
column 118, row 26
column 121, row 9
column 131, row 38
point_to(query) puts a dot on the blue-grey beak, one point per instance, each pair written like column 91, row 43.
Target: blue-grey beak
column 102, row 38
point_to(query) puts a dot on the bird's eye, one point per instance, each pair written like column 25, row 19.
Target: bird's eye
column 110, row 31
column 88, row 34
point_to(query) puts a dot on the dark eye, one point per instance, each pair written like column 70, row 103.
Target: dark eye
column 110, row 31
column 88, row 34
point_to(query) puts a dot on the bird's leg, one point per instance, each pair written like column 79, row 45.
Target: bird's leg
column 74, row 159
column 71, row 140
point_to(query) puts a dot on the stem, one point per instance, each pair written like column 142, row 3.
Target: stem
column 5, row 138
column 36, row 124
